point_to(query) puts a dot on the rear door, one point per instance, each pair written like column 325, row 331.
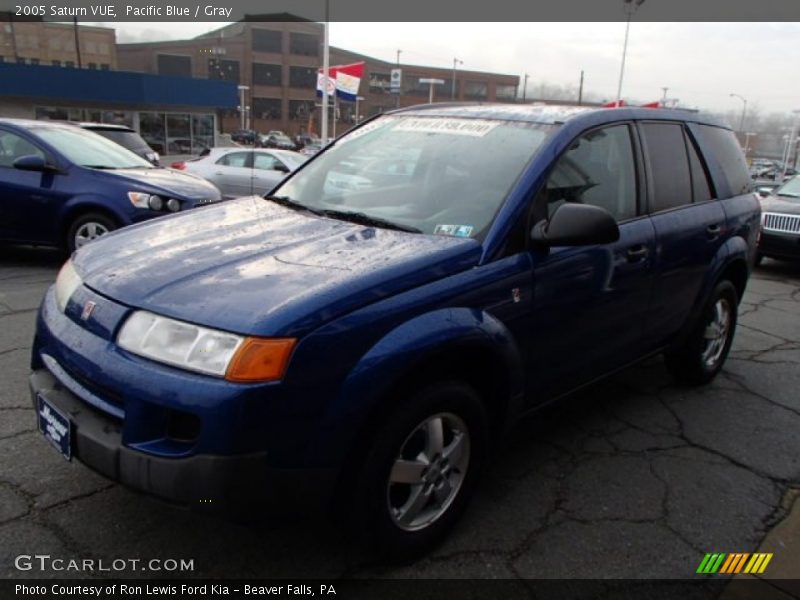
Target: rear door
column 590, row 303
column 689, row 224
column 233, row 172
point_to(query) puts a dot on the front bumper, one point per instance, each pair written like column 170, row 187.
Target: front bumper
column 205, row 481
column 779, row 245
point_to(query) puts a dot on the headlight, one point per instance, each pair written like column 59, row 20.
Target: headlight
column 142, row 200
column 67, row 282
column 195, row 348
column 173, row 205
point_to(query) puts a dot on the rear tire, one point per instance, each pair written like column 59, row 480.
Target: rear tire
column 87, row 228
column 701, row 356
column 420, row 471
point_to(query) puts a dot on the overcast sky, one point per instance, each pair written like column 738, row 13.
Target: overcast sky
column 700, row 63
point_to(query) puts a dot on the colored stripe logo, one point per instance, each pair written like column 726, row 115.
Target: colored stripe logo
column 729, row 564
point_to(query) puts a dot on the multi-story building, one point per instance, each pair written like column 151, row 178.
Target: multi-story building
column 57, row 44
column 276, row 64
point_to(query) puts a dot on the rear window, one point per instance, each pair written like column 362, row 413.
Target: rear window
column 722, row 143
column 669, row 165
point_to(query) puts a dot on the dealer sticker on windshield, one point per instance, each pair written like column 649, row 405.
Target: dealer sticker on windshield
column 454, row 230
column 470, row 127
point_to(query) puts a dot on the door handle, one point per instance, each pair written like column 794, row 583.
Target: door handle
column 636, row 253
column 713, row 231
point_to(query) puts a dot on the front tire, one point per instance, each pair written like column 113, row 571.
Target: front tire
column 87, row 228
column 698, row 360
column 421, row 470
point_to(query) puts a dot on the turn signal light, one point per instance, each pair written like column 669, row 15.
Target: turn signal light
column 260, row 359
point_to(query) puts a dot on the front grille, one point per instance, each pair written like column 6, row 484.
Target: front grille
column 781, row 223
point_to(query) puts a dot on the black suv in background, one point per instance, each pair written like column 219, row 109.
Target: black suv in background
column 125, row 137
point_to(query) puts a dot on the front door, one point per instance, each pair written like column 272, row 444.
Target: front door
column 590, row 303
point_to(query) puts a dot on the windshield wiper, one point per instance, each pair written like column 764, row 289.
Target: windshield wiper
column 293, row 204
column 365, row 219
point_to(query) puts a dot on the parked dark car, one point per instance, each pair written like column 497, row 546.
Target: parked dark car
column 63, row 186
column 125, row 137
column 280, row 141
column 366, row 346
column 245, row 136
column 780, row 222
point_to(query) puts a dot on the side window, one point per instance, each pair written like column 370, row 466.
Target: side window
column 669, row 165
column 598, row 169
column 234, row 159
column 701, row 188
column 13, row 147
column 727, row 151
column 263, row 161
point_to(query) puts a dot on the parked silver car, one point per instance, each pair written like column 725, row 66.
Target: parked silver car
column 242, row 171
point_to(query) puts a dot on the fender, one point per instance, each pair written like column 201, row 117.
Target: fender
column 734, row 249
column 399, row 354
column 87, row 203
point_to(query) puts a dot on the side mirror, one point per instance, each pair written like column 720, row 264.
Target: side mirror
column 31, row 162
column 763, row 192
column 281, row 167
column 576, row 225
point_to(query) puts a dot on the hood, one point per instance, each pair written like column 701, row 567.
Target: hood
column 168, row 182
column 250, row 266
column 789, row 206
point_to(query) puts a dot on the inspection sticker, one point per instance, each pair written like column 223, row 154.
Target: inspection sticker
column 471, row 127
column 454, row 230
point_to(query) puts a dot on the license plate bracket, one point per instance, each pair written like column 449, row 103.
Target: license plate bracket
column 54, row 426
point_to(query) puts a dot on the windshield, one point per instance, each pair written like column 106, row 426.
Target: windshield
column 88, row 149
column 437, row 175
column 790, row 189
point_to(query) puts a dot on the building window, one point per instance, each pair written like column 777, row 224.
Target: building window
column 505, row 92
column 172, row 64
column 2, row 59
column 179, row 136
column 304, row 44
column 266, row 40
column 267, row 74
column 20, row 60
column 476, row 90
column 226, row 70
column 34, row 61
column 152, row 128
column 117, row 117
column 299, row 110
column 93, row 66
column 50, row 113
column 379, row 82
column 104, row 66
column 56, row 63
column 202, row 133
column 303, row 77
column 267, row 108
column 70, row 63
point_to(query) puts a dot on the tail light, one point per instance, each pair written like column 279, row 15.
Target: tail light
column 180, row 165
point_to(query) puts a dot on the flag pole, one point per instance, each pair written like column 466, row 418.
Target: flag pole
column 325, row 68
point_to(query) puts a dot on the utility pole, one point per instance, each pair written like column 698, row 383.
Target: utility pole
column 397, row 98
column 326, row 65
column 398, row 57
column 524, row 88
column 664, row 97
column 580, row 90
column 453, row 83
column 77, row 41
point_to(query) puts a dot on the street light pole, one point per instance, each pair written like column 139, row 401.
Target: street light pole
column 744, row 110
column 242, row 89
column 326, row 65
column 525, row 88
column 790, row 147
column 453, row 83
column 630, row 7
column 358, row 99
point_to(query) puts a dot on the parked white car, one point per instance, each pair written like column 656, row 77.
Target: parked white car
column 243, row 171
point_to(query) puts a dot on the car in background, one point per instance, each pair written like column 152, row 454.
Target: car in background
column 64, row 186
column 240, row 172
column 275, row 140
column 780, row 222
column 310, row 149
column 125, row 137
column 245, row 136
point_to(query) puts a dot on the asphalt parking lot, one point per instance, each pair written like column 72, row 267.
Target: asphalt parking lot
column 633, row 478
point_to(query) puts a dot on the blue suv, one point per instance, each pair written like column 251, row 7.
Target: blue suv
column 362, row 336
column 63, row 186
